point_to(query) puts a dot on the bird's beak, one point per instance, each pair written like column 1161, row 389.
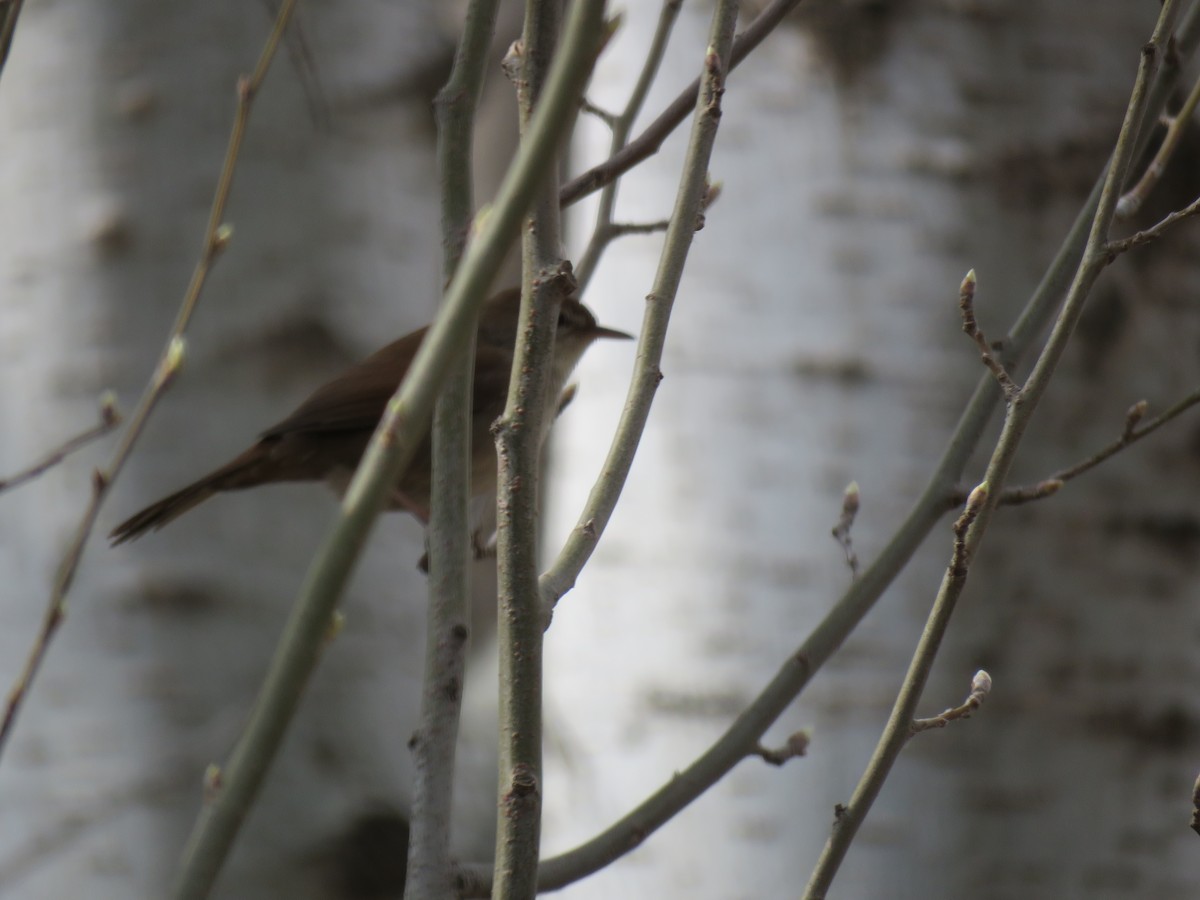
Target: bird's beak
column 601, row 332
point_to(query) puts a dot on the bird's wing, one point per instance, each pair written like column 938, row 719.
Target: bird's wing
column 356, row 399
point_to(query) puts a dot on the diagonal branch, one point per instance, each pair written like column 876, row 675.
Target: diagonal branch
column 110, row 418
column 972, row 526
column 1133, row 432
column 10, row 11
column 1176, row 126
column 647, row 143
column 981, row 687
column 690, row 198
column 1154, row 232
column 216, row 237
column 604, row 230
column 389, row 452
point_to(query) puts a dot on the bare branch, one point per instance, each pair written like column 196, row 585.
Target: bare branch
column 841, row 531
column 981, row 686
column 648, row 142
column 604, row 231
column 609, row 119
column 1116, row 248
column 546, row 280
column 694, row 191
column 620, row 229
column 1132, row 432
column 390, row 451
column 971, row 527
column 966, row 305
column 1132, row 201
column 110, row 418
column 796, row 745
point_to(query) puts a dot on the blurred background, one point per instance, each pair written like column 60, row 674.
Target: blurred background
column 870, row 154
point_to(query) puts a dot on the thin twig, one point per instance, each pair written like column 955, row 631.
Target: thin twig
column 1132, row 432
column 602, row 114
column 981, row 686
column 304, row 64
column 216, row 238
column 387, row 455
column 110, row 418
column 647, row 143
column 604, row 231
column 1177, row 124
column 841, row 531
column 689, row 200
column 620, row 229
column 972, row 526
column 1116, row 248
column 966, row 306
column 796, row 745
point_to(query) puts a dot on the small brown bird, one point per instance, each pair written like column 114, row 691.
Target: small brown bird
column 324, row 438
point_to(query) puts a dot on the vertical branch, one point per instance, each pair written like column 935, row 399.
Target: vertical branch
column 689, row 202
column 448, row 627
column 603, row 232
column 390, row 451
column 518, row 448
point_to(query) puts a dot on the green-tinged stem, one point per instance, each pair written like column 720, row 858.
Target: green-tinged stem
column 390, row 450
column 518, row 449
column 679, row 236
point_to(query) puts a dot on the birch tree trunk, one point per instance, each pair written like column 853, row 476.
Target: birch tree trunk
column 870, row 157
column 116, row 119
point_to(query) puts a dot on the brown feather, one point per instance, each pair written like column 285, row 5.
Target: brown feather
column 246, row 470
column 324, row 438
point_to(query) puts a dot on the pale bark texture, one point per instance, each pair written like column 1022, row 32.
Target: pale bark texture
column 115, row 118
column 870, row 156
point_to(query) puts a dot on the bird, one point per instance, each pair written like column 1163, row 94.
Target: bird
column 325, row 436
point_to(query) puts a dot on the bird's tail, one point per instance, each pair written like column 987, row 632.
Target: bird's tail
column 244, row 471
